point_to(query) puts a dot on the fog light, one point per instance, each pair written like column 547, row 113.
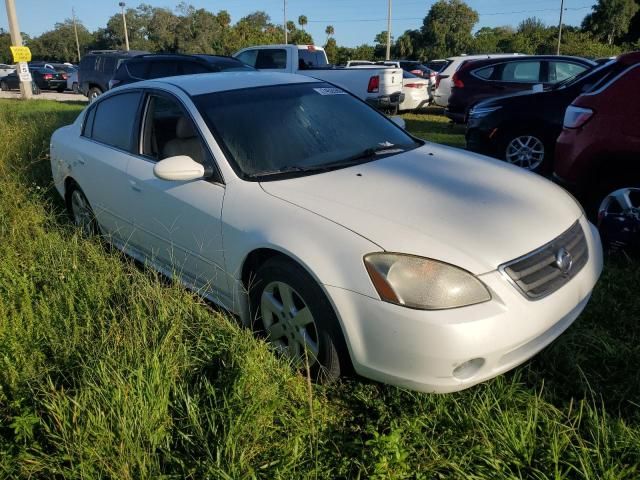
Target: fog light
column 468, row 369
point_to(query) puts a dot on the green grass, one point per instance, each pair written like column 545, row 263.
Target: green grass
column 434, row 126
column 108, row 372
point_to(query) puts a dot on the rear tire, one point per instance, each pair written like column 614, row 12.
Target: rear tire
column 4, row 87
column 81, row 212
column 93, row 93
column 75, row 88
column 35, row 89
column 290, row 310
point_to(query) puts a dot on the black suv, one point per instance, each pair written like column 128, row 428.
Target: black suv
column 145, row 67
column 97, row 69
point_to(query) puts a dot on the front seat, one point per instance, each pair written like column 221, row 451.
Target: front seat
column 185, row 143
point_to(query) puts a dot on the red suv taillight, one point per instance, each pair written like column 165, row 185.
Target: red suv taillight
column 456, row 82
column 47, row 76
column 576, row 117
column 374, row 84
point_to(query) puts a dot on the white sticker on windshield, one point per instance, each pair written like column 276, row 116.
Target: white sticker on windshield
column 330, row 91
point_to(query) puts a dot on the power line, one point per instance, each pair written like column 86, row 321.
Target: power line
column 357, row 20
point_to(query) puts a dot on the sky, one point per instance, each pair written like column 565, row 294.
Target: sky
column 355, row 21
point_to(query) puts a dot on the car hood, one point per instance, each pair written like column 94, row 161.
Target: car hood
column 438, row 202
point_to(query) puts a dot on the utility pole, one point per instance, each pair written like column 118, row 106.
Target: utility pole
column 124, row 23
column 389, row 31
column 75, row 31
column 284, row 9
column 16, row 40
column 560, row 26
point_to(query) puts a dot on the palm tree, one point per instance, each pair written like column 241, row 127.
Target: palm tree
column 302, row 21
column 329, row 31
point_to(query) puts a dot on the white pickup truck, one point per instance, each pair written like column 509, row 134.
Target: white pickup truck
column 380, row 87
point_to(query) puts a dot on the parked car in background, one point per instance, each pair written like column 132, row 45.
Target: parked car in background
column 43, row 78
column 72, row 82
column 377, row 85
column 522, row 128
column 424, row 278
column 150, row 66
column 480, row 79
column 416, row 92
column 444, row 80
column 598, row 153
column 98, row 67
column 6, row 69
column 436, row 65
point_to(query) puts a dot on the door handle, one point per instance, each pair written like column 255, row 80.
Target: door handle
column 134, row 186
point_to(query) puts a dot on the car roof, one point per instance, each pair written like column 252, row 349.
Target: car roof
column 478, row 62
column 203, row 83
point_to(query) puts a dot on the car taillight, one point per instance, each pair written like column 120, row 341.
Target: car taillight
column 374, row 84
column 47, row 76
column 438, row 78
column 64, row 76
column 414, row 85
column 456, row 82
column 576, row 117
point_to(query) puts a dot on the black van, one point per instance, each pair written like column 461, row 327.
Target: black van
column 98, row 67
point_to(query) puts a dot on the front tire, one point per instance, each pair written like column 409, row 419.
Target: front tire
column 527, row 150
column 4, row 87
column 290, row 310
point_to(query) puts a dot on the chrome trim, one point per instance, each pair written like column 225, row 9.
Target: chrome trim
column 502, row 268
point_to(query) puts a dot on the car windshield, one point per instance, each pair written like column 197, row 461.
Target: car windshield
column 297, row 129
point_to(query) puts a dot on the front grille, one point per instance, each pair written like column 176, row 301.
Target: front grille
column 541, row 273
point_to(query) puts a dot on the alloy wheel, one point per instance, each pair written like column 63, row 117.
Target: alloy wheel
column 525, row 151
column 81, row 212
column 289, row 323
column 622, row 203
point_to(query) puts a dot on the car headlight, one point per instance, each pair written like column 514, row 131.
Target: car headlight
column 478, row 112
column 422, row 283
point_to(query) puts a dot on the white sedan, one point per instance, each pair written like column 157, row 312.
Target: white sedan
column 416, row 92
column 327, row 228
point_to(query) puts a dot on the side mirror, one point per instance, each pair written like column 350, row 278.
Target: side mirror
column 178, row 168
column 538, row 87
column 399, row 121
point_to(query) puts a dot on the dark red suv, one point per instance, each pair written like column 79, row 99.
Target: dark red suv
column 598, row 152
column 480, row 79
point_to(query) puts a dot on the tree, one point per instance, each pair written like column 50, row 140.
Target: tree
column 493, row 40
column 5, row 43
column 331, row 49
column 610, row 19
column 381, row 45
column 302, row 21
column 329, row 31
column 60, row 43
column 409, row 45
column 447, row 28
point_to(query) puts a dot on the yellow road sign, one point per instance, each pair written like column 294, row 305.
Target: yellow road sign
column 21, row 54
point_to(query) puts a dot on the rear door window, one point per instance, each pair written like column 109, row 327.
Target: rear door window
column 137, row 69
column 163, row 69
column 189, row 68
column 522, row 72
column 114, row 120
column 271, row 59
column 108, row 65
column 559, row 71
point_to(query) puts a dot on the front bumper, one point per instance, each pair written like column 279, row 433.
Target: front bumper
column 386, row 101
column 421, row 349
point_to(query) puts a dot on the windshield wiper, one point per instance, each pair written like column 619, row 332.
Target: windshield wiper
column 380, row 149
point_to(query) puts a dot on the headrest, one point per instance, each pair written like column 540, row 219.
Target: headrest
column 184, row 128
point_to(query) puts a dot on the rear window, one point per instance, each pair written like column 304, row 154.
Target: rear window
column 190, row 68
column 311, row 58
column 559, row 71
column 108, row 64
column 438, row 65
column 114, row 119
